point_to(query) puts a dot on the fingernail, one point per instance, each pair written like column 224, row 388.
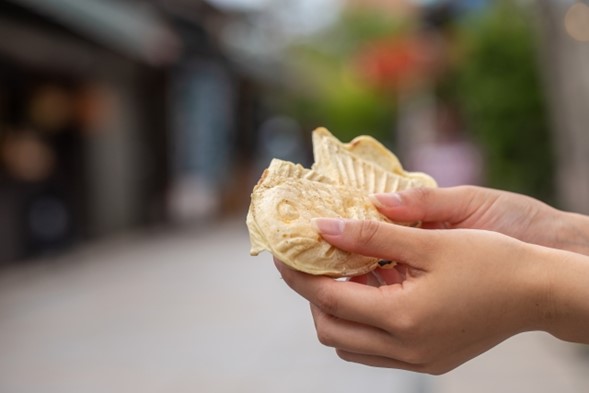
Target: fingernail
column 329, row 226
column 392, row 199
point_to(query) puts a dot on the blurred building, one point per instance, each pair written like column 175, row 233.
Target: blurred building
column 112, row 113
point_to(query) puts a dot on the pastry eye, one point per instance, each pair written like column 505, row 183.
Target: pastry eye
column 287, row 211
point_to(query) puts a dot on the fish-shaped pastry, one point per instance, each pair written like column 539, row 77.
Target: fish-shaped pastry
column 364, row 163
column 279, row 220
column 288, row 196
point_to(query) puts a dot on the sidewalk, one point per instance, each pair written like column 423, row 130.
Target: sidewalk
column 531, row 362
column 193, row 312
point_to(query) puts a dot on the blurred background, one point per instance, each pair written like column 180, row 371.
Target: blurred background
column 132, row 133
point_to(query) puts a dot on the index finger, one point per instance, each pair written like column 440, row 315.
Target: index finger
column 412, row 246
column 343, row 299
column 445, row 205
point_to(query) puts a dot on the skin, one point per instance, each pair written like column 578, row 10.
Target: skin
column 514, row 215
column 456, row 292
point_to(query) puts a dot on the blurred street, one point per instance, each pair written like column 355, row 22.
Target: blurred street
column 191, row 311
column 133, row 131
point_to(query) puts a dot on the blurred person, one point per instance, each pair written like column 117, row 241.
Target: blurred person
column 450, row 157
column 486, row 265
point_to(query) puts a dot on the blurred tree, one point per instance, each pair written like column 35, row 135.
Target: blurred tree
column 564, row 32
column 499, row 85
column 339, row 96
column 487, row 65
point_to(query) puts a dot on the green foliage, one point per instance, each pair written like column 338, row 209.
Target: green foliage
column 339, row 100
column 496, row 83
column 354, row 110
column 369, row 25
column 348, row 108
column 499, row 87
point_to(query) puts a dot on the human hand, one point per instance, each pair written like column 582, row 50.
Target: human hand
column 515, row 215
column 453, row 295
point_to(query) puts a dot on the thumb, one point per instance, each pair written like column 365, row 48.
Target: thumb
column 429, row 205
column 379, row 239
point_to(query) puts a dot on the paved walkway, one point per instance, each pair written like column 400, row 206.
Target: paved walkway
column 193, row 312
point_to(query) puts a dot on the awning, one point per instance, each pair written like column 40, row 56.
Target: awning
column 135, row 29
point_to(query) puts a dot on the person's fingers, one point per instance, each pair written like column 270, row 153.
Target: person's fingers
column 379, row 277
column 344, row 299
column 386, row 362
column 389, row 276
column 412, row 246
column 353, row 336
column 421, row 359
column 441, row 205
column 367, row 279
column 378, row 361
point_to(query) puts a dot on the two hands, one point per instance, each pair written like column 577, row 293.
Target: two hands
column 485, row 266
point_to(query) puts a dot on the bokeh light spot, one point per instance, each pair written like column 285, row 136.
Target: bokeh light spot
column 576, row 22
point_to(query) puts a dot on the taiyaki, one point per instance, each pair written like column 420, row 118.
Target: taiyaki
column 364, row 163
column 288, row 196
column 280, row 215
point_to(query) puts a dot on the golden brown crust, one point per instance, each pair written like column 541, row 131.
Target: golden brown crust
column 280, row 221
column 288, row 196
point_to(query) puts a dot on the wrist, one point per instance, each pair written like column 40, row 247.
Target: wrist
column 539, row 287
column 572, row 233
column 560, row 295
column 535, row 282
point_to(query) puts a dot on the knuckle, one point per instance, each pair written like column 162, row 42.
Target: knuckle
column 421, row 199
column 469, row 193
column 422, row 195
column 438, row 368
column 437, row 371
column 324, row 336
column 412, row 357
column 324, row 327
column 344, row 355
column 431, row 369
column 326, row 301
column 468, row 190
column 367, row 232
column 419, row 356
